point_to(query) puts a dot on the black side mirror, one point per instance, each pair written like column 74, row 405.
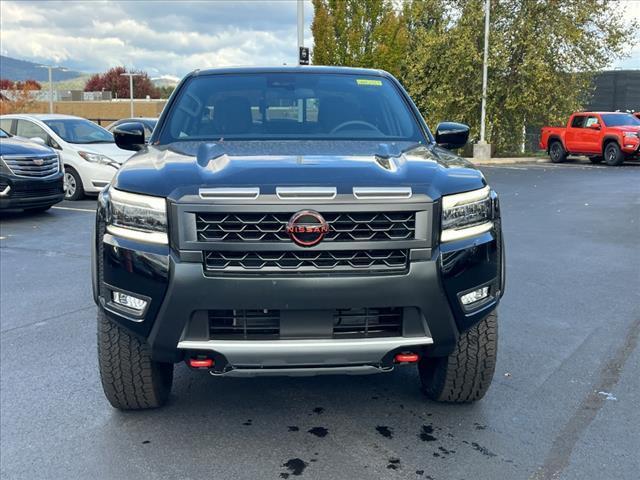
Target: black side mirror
column 129, row 136
column 452, row 135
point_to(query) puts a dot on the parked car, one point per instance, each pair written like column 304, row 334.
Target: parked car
column 89, row 153
column 148, row 123
column 609, row 136
column 296, row 221
column 31, row 176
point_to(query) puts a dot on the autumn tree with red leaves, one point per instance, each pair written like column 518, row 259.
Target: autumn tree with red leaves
column 112, row 81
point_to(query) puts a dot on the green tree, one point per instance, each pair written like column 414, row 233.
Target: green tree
column 359, row 33
column 542, row 59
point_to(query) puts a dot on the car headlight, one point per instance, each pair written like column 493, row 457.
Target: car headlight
column 466, row 214
column 98, row 158
column 138, row 217
column 631, row 134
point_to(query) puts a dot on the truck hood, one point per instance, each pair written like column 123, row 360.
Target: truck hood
column 17, row 146
column 181, row 169
column 626, row 128
column 111, row 150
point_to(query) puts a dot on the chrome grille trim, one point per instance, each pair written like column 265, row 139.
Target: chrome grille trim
column 378, row 193
column 306, row 193
column 25, row 166
column 229, row 193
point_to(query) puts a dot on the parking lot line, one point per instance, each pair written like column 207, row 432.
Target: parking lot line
column 74, row 209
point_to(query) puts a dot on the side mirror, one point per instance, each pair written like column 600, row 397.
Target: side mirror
column 129, row 136
column 37, row 140
column 594, row 126
column 452, row 135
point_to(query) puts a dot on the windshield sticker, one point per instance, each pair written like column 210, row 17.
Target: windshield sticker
column 366, row 81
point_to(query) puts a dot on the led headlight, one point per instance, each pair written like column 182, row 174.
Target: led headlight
column 138, row 217
column 98, row 158
column 466, row 214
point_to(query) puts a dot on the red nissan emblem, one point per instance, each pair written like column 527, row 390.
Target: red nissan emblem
column 307, row 228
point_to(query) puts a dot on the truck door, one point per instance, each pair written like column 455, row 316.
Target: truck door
column 591, row 135
column 572, row 138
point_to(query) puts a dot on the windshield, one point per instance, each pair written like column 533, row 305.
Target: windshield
column 3, row 134
column 290, row 106
column 619, row 119
column 77, row 130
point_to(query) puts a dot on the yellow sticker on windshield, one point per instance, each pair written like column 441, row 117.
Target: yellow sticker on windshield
column 366, row 81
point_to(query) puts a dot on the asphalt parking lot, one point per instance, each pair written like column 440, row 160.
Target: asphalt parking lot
column 564, row 402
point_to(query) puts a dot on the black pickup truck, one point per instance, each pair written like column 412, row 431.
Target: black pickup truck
column 295, row 221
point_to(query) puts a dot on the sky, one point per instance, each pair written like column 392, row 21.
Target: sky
column 167, row 38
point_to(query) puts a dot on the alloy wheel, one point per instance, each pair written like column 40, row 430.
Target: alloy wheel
column 69, row 185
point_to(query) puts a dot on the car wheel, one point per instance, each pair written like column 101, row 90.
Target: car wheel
column 73, row 189
column 465, row 375
column 596, row 159
column 131, row 380
column 557, row 152
column 613, row 155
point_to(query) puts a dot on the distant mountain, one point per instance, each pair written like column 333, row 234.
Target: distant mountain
column 14, row 69
column 165, row 81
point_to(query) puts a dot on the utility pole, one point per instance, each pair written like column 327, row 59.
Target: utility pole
column 300, row 25
column 482, row 150
column 50, row 68
column 131, row 75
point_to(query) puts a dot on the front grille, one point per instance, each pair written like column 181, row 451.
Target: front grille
column 34, row 190
column 32, row 166
column 370, row 261
column 244, row 324
column 271, row 227
column 367, row 322
column 346, row 323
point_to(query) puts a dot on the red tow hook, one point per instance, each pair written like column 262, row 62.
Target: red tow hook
column 406, row 357
column 201, row 362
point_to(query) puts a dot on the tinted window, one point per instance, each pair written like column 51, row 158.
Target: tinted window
column 619, row 119
column 578, row 121
column 265, row 106
column 78, row 130
column 29, row 129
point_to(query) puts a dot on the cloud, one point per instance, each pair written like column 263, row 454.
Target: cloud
column 163, row 38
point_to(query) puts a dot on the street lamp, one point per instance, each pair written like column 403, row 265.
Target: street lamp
column 482, row 150
column 50, row 68
column 131, row 75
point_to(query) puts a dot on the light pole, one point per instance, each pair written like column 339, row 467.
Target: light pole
column 50, row 68
column 300, row 25
column 131, row 75
column 482, row 150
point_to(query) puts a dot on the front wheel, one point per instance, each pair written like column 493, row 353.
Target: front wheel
column 613, row 155
column 465, row 375
column 557, row 152
column 73, row 189
column 131, row 380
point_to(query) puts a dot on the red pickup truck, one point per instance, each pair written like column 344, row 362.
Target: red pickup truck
column 610, row 136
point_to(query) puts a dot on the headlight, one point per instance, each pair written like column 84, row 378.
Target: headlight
column 98, row 158
column 466, row 214
column 631, row 134
column 138, row 217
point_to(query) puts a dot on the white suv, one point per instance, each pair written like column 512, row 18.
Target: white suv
column 89, row 154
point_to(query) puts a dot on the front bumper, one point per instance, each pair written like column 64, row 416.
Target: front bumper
column 20, row 192
column 96, row 176
column 428, row 294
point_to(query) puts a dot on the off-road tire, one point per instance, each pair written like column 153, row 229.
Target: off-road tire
column 465, row 375
column 557, row 153
column 613, row 155
column 131, row 380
